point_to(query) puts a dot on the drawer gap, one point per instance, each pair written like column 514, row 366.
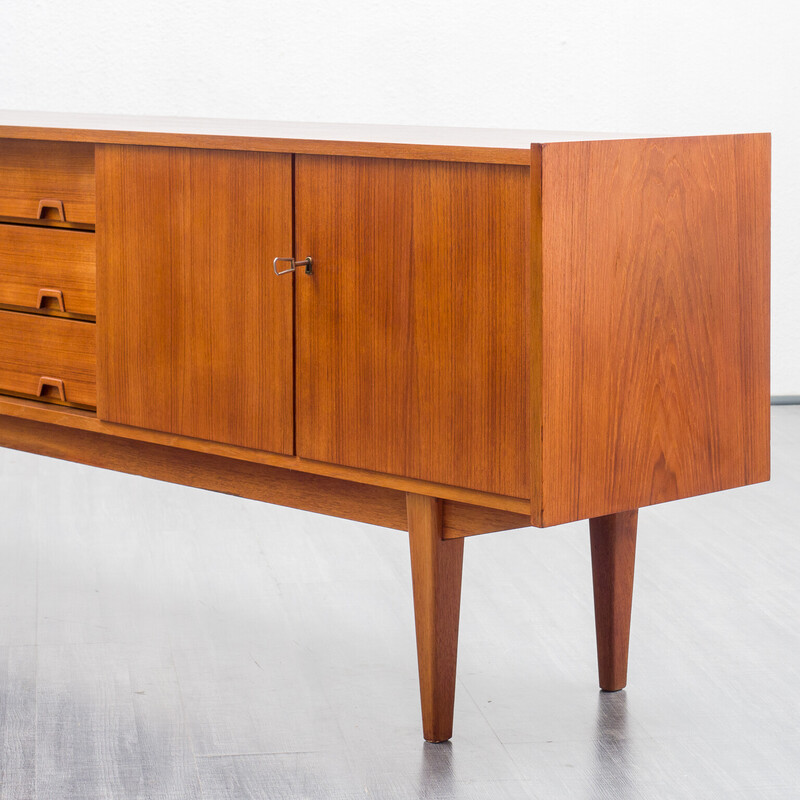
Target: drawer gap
column 47, row 223
column 47, row 312
column 47, row 400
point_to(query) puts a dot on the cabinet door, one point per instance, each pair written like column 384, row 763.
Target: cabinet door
column 412, row 331
column 195, row 331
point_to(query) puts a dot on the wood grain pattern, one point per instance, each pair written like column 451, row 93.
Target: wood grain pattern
column 411, row 346
column 195, row 330
column 34, row 346
column 33, row 258
column 613, row 542
column 31, row 171
column 655, row 319
column 436, row 567
column 321, row 494
column 87, row 421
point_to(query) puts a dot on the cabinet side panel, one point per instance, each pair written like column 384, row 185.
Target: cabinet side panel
column 655, row 301
column 411, row 334
column 195, row 329
column 535, row 386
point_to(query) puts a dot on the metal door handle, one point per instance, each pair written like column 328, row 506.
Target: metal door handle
column 294, row 264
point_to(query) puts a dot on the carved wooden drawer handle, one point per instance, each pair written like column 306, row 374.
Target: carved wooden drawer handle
column 56, row 294
column 56, row 204
column 55, row 383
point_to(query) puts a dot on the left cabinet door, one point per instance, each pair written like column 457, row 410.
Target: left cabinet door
column 194, row 329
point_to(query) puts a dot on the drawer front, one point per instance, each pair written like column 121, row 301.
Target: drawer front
column 58, row 172
column 47, row 268
column 60, row 350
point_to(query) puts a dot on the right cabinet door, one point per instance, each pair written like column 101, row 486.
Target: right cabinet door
column 411, row 334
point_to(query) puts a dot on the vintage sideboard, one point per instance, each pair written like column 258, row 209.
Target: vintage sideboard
column 443, row 331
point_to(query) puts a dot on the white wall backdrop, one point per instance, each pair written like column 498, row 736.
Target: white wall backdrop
column 678, row 67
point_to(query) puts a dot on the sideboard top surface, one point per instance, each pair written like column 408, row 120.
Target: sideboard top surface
column 487, row 145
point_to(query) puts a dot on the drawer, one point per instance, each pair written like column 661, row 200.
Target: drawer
column 62, row 351
column 56, row 172
column 47, row 268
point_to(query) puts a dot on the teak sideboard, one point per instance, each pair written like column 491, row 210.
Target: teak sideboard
column 443, row 331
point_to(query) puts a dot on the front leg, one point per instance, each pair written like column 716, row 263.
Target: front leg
column 436, row 576
column 613, row 541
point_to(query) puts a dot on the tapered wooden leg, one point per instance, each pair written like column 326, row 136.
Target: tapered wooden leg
column 613, row 540
column 436, row 575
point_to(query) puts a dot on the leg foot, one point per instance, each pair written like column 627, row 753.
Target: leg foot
column 436, row 575
column 613, row 540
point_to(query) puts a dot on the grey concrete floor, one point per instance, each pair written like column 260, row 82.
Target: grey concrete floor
column 164, row 642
